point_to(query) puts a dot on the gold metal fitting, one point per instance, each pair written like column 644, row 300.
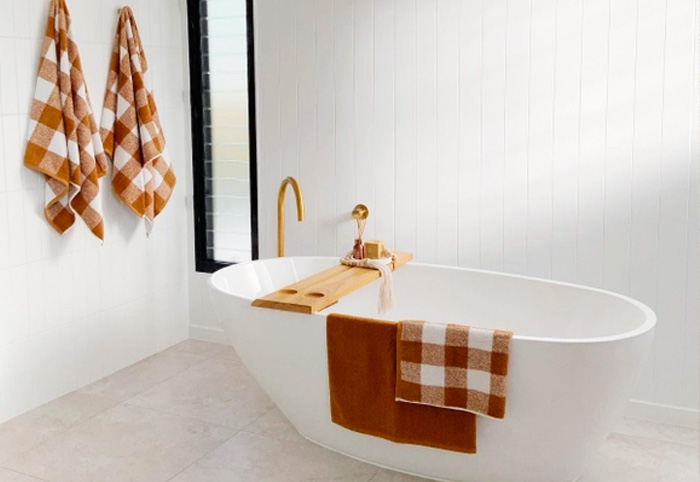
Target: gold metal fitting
column 280, row 210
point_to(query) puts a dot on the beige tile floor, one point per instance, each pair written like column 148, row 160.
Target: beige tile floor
column 193, row 413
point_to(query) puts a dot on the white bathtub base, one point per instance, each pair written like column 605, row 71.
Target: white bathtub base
column 386, row 467
column 371, row 462
column 575, row 358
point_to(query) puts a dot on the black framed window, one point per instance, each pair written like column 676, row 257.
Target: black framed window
column 222, row 97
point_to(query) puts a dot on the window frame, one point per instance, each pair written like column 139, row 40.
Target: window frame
column 198, row 100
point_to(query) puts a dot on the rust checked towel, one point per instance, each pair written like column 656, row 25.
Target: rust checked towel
column 453, row 366
column 142, row 177
column 64, row 143
column 362, row 381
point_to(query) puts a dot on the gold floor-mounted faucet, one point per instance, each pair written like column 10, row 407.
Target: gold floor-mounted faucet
column 280, row 211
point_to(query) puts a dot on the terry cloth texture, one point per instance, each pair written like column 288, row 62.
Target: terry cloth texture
column 142, row 177
column 453, row 366
column 64, row 143
column 362, row 380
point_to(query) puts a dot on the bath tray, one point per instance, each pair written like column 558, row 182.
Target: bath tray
column 324, row 289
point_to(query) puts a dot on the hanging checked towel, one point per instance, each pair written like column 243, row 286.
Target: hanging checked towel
column 453, row 366
column 64, row 143
column 142, row 177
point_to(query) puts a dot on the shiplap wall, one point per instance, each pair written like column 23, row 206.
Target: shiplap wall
column 554, row 138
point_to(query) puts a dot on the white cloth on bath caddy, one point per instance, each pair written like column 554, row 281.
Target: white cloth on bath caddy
column 386, row 288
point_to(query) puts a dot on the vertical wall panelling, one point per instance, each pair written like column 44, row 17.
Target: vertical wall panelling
column 673, row 199
column 384, row 121
column 565, row 147
column 426, row 130
column 72, row 310
column 363, row 106
column 405, row 95
column 541, row 120
column 646, row 155
column 289, row 127
column 593, row 130
column 447, row 156
column 493, row 82
column 308, row 132
column 546, row 137
column 344, row 124
column 267, row 96
column 325, row 122
column 469, row 170
column 517, row 99
column 619, row 141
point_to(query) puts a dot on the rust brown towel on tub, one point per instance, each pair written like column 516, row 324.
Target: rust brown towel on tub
column 362, row 379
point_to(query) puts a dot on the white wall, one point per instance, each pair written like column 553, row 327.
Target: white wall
column 549, row 138
column 71, row 310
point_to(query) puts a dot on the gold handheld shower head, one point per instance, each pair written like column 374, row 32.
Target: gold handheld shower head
column 360, row 213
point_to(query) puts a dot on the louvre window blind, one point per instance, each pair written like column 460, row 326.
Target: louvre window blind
column 223, row 131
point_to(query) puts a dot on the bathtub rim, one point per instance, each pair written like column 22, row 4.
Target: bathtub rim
column 647, row 325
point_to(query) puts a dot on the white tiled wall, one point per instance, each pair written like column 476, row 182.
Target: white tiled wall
column 71, row 310
column 551, row 138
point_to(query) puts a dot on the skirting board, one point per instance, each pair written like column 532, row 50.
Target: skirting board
column 205, row 333
column 637, row 409
column 656, row 412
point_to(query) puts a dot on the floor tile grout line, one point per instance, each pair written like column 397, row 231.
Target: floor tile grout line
column 238, row 432
column 205, row 358
column 201, row 362
column 202, row 456
column 124, row 404
column 130, row 402
column 117, row 404
column 60, row 432
column 172, row 349
column 243, row 429
column 178, row 415
column 26, row 475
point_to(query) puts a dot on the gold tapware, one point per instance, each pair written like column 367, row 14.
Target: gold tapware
column 280, row 210
column 360, row 214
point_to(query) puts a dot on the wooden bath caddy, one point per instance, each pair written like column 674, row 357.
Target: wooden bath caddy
column 324, row 289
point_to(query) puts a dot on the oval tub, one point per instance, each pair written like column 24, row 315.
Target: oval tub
column 575, row 357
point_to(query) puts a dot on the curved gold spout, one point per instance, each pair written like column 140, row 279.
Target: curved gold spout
column 280, row 210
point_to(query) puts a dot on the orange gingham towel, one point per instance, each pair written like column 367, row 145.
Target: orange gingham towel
column 142, row 177
column 64, row 143
column 453, row 366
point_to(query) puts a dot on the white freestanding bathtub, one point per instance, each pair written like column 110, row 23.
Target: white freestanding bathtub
column 575, row 357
